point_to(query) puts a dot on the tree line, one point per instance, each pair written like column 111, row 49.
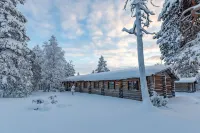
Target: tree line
column 23, row 70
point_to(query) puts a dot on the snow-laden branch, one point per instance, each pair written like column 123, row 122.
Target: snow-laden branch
column 131, row 31
column 146, row 32
column 143, row 14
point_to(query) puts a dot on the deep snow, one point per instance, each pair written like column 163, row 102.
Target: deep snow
column 85, row 113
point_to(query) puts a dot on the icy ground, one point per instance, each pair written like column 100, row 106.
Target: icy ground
column 84, row 113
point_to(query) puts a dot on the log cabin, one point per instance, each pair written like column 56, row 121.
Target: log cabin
column 187, row 85
column 126, row 83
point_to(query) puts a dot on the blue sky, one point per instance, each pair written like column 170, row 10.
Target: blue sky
column 87, row 29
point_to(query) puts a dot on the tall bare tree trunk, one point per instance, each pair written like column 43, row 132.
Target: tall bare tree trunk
column 143, row 82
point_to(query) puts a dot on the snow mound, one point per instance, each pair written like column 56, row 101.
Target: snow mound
column 44, row 106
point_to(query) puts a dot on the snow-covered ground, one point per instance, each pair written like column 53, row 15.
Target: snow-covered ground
column 84, row 113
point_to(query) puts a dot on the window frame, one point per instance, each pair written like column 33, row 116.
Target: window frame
column 135, row 85
column 109, row 86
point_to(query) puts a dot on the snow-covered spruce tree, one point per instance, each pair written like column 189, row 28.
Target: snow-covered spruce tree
column 169, row 40
column 140, row 10
column 93, row 72
column 169, row 35
column 78, row 74
column 15, row 62
column 54, row 64
column 187, row 61
column 102, row 66
column 69, row 69
column 37, row 67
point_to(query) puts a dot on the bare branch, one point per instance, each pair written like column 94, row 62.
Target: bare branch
column 153, row 3
column 125, row 4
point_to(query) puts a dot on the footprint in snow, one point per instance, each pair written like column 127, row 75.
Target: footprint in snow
column 61, row 105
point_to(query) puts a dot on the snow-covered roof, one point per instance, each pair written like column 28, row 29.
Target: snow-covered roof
column 119, row 74
column 187, row 80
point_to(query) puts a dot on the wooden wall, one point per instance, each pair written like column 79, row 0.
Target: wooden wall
column 183, row 87
column 162, row 84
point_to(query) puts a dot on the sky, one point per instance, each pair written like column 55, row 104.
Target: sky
column 87, row 29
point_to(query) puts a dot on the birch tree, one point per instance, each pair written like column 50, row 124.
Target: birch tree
column 142, row 14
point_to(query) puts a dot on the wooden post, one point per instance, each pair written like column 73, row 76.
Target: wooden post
column 89, row 89
column 102, row 89
column 121, row 89
column 114, row 84
column 151, row 87
column 173, row 88
column 163, row 78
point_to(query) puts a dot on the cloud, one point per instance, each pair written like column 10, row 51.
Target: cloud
column 39, row 17
column 153, row 60
column 72, row 12
column 90, row 28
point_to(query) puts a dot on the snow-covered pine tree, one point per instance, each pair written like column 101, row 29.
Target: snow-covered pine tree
column 169, row 40
column 54, row 64
column 93, row 72
column 37, row 67
column 141, row 12
column 15, row 62
column 102, row 66
column 78, row 74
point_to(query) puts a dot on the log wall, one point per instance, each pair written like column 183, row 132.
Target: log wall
column 183, row 87
column 162, row 84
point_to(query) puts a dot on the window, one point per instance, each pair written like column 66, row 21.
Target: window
column 133, row 85
column 96, row 84
column 85, row 84
column 104, row 85
column 111, row 85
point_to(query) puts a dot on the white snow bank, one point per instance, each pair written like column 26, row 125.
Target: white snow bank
column 184, row 99
column 119, row 74
column 187, row 80
column 84, row 113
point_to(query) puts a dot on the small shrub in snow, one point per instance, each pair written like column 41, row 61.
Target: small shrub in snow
column 53, row 99
column 42, row 105
column 38, row 101
column 158, row 101
column 38, row 104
